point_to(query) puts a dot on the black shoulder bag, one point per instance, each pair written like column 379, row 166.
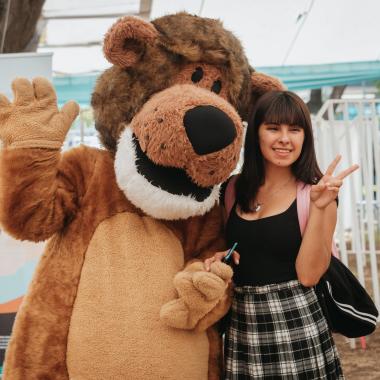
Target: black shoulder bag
column 348, row 308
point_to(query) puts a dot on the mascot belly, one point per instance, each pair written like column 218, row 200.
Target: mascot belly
column 115, row 322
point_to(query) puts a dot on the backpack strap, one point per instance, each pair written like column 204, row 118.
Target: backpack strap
column 303, row 207
column 229, row 197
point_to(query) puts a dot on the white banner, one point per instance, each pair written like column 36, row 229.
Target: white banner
column 28, row 65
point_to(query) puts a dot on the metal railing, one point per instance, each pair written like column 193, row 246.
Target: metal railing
column 351, row 128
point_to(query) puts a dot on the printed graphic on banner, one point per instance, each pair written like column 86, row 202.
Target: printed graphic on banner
column 18, row 262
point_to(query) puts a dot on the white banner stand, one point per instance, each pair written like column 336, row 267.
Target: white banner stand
column 27, row 65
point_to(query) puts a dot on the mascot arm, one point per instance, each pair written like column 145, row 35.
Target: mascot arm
column 203, row 297
column 37, row 192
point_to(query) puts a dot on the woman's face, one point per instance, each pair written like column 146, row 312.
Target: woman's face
column 280, row 144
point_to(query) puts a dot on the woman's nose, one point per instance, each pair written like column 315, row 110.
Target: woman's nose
column 284, row 138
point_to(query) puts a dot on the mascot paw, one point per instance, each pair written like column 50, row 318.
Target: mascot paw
column 175, row 314
column 199, row 294
column 209, row 285
column 33, row 120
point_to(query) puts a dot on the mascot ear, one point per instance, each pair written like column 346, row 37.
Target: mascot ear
column 262, row 83
column 126, row 40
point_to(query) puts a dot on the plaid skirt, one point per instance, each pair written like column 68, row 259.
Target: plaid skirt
column 278, row 331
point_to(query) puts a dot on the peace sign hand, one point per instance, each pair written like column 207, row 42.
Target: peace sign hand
column 327, row 189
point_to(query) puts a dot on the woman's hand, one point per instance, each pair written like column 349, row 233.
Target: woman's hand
column 218, row 256
column 327, row 189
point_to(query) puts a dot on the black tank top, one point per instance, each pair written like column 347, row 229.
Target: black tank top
column 268, row 247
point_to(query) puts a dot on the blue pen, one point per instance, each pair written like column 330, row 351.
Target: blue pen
column 227, row 258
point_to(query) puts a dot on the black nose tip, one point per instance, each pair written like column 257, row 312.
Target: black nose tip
column 209, row 129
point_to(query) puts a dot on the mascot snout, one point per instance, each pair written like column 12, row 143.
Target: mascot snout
column 192, row 129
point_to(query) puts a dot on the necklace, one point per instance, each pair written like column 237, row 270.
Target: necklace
column 257, row 206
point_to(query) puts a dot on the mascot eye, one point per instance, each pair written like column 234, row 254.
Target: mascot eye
column 216, row 86
column 197, row 75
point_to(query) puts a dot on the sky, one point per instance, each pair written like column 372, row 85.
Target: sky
column 273, row 32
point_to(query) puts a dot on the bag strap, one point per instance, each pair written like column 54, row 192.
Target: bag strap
column 229, row 197
column 303, row 207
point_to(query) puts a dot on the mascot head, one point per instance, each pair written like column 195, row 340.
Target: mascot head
column 171, row 109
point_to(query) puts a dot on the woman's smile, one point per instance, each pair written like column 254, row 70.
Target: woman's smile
column 282, row 152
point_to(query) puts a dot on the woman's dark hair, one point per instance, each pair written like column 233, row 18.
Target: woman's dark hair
column 278, row 107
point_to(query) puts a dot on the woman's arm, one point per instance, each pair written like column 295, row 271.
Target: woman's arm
column 315, row 252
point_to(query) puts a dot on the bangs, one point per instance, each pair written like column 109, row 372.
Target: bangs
column 284, row 109
column 276, row 107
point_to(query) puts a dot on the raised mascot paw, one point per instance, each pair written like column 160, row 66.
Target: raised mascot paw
column 33, row 120
column 199, row 293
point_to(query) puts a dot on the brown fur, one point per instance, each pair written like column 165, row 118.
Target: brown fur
column 78, row 192
column 211, row 74
column 33, row 120
column 198, row 39
column 126, row 278
column 120, row 94
column 215, row 368
column 38, row 345
column 43, row 194
column 191, row 311
column 124, row 33
column 143, row 96
column 163, row 138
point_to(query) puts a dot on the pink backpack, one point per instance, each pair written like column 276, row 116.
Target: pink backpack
column 303, row 202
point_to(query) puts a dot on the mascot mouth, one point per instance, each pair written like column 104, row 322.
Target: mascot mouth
column 173, row 180
column 160, row 192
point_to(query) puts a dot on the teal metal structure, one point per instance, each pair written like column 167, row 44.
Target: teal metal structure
column 302, row 77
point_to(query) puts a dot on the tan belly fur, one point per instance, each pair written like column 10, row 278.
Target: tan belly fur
column 115, row 331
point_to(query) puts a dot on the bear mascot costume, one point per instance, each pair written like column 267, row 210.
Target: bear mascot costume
column 120, row 291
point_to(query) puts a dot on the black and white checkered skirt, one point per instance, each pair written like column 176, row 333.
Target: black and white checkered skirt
column 278, row 331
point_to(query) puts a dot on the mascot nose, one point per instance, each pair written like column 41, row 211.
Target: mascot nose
column 209, row 129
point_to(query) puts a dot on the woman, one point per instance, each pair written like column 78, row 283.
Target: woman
column 277, row 329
